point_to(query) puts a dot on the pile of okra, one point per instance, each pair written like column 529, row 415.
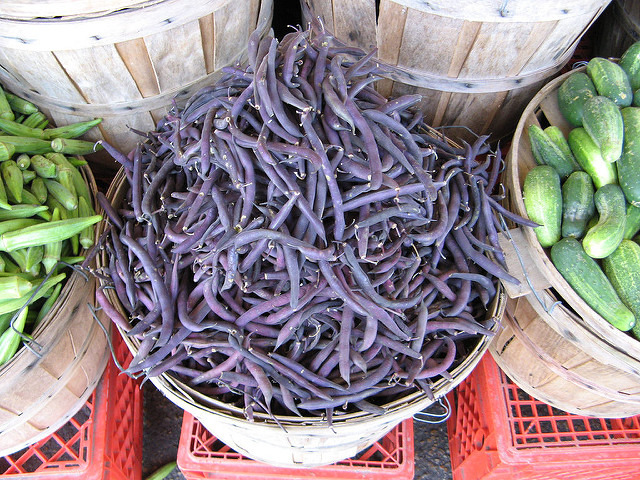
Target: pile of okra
column 46, row 215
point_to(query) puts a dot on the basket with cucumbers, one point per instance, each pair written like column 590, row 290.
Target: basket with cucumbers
column 584, row 189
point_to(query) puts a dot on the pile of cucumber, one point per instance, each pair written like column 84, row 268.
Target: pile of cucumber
column 585, row 191
column 46, row 215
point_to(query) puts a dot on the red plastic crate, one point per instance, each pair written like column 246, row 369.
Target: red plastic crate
column 102, row 441
column 201, row 455
column 497, row 431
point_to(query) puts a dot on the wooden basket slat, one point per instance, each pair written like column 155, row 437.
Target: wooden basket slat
column 177, row 59
column 99, row 74
column 207, row 31
column 390, row 31
column 231, row 29
column 135, row 56
column 414, row 54
column 30, row 74
column 356, row 20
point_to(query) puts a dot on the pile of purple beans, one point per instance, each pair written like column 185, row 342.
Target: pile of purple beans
column 293, row 242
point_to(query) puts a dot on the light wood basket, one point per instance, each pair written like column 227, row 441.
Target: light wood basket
column 553, row 345
column 296, row 441
column 477, row 64
column 125, row 62
column 45, row 385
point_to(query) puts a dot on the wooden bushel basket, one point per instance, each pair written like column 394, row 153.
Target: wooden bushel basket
column 300, row 441
column 125, row 62
column 477, row 64
column 617, row 28
column 553, row 345
column 43, row 386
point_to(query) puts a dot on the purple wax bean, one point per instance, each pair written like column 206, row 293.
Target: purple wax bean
column 440, row 368
column 114, row 314
column 344, row 344
column 159, row 287
column 483, row 262
column 215, row 372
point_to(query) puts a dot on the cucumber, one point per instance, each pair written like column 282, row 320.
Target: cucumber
column 543, row 202
column 622, row 268
column 557, row 136
column 628, row 165
column 589, row 157
column 546, row 152
column 572, row 94
column 577, row 204
column 602, row 120
column 632, row 222
column 602, row 239
column 610, row 80
column 630, row 63
column 589, row 281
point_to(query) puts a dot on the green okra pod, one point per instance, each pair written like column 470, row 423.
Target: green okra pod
column 34, row 256
column 36, row 120
column 5, row 108
column 12, row 336
column 20, row 129
column 52, row 250
column 87, row 235
column 4, row 202
column 9, row 265
column 23, row 161
column 27, row 144
column 79, row 183
column 48, row 303
column 24, row 211
column 20, row 105
column 40, row 289
column 28, row 176
column 42, row 233
column 6, row 151
column 44, row 167
column 73, row 130
column 60, row 193
column 17, row 223
column 20, row 257
column 12, row 176
column 14, row 286
column 70, row 146
column 39, row 190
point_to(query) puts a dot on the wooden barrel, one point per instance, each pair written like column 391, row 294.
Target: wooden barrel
column 46, row 384
column 125, row 62
column 617, row 28
column 577, row 360
column 477, row 64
